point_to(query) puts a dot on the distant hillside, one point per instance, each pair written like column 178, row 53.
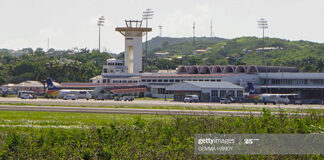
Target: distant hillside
column 159, row 43
column 308, row 56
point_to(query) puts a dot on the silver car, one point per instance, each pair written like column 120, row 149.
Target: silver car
column 70, row 96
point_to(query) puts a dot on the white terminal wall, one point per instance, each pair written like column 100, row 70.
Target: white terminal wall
column 133, row 53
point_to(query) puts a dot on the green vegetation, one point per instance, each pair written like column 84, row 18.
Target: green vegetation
column 83, row 65
column 69, row 119
column 139, row 138
column 63, row 67
column 308, row 56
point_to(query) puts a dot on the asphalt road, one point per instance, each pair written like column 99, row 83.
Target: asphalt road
column 131, row 111
column 94, row 103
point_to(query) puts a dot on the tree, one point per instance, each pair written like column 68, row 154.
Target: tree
column 28, row 50
column 320, row 65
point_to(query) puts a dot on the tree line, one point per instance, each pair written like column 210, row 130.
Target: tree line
column 64, row 67
column 84, row 64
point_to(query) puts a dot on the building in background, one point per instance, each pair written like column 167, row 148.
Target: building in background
column 207, row 91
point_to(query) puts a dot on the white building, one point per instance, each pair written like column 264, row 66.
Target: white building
column 207, row 91
column 114, row 66
column 133, row 33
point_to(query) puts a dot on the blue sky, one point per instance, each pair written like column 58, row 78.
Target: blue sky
column 72, row 23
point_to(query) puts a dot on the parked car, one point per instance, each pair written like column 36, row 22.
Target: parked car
column 100, row 98
column 70, row 96
column 124, row 98
column 27, row 96
column 191, row 98
column 225, row 100
column 128, row 98
column 117, row 98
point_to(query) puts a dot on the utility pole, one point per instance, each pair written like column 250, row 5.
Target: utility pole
column 160, row 27
column 100, row 23
column 147, row 14
column 263, row 24
column 193, row 33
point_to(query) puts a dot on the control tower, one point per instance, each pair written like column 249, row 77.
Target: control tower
column 133, row 33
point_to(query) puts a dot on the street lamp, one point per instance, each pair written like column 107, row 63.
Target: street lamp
column 263, row 24
column 100, row 23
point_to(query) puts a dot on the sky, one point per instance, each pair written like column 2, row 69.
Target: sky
column 73, row 23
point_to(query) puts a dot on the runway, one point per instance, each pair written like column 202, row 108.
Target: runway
column 132, row 111
column 150, row 103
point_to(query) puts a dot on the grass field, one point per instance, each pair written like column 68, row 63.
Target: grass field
column 15, row 118
column 210, row 108
column 108, row 136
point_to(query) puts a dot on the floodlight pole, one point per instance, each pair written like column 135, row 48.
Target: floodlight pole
column 100, row 23
column 147, row 14
column 263, row 24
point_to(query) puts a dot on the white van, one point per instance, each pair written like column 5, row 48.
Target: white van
column 191, row 98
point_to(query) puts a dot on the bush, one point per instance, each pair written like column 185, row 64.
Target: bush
column 156, row 139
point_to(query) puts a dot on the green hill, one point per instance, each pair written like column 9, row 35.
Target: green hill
column 162, row 43
column 306, row 55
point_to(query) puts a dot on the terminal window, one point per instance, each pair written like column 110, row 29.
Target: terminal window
column 222, row 93
column 239, row 93
column 214, row 93
column 161, row 91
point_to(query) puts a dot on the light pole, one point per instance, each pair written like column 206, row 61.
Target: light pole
column 147, row 14
column 100, row 23
column 263, row 24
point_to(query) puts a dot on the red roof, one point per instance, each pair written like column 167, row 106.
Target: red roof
column 187, row 75
column 80, row 85
column 130, row 90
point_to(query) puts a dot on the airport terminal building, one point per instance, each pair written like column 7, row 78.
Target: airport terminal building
column 266, row 79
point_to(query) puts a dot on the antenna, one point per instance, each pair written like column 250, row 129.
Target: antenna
column 211, row 28
column 160, row 27
column 193, row 33
column 48, row 43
